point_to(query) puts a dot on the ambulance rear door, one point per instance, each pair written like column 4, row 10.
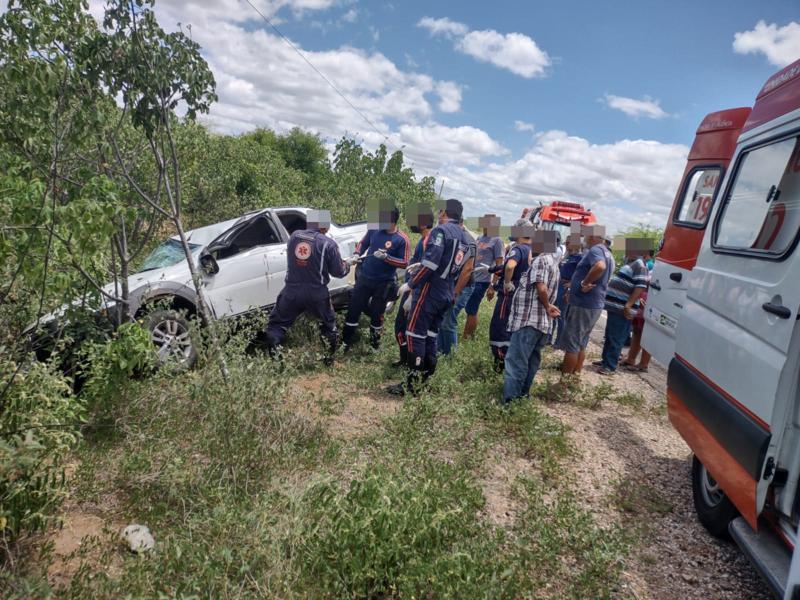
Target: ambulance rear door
column 711, row 152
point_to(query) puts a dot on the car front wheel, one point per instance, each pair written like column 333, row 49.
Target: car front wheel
column 714, row 510
column 169, row 331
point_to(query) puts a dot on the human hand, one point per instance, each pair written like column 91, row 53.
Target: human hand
column 587, row 287
column 380, row 254
column 553, row 311
column 404, row 289
column 490, row 294
column 629, row 313
column 508, row 287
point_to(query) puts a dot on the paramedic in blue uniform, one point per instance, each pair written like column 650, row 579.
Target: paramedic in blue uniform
column 515, row 265
column 420, row 220
column 432, row 294
column 312, row 259
column 387, row 249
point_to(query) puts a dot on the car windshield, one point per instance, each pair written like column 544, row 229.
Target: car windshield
column 165, row 255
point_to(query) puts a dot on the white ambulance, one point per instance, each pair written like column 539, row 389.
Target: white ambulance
column 733, row 380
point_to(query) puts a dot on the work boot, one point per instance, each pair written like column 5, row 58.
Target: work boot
column 398, row 389
column 375, row 339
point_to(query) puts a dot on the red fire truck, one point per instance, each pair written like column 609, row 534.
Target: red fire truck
column 559, row 216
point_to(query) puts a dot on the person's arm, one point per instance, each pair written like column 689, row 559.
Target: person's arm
column 640, row 282
column 628, row 310
column 544, row 297
column 463, row 277
column 364, row 243
column 336, row 266
column 431, row 258
column 595, row 273
column 399, row 254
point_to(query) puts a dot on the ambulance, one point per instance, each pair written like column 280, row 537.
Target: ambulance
column 708, row 160
column 732, row 383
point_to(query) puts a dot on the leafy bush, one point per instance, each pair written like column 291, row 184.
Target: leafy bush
column 38, row 426
column 109, row 365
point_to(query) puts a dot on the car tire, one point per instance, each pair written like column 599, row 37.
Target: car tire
column 171, row 335
column 714, row 510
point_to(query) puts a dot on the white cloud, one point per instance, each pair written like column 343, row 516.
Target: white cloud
column 450, row 96
column 512, row 51
column 781, row 45
column 434, row 146
column 646, row 107
column 624, row 183
column 350, row 16
column 443, row 26
column 523, row 126
column 515, row 52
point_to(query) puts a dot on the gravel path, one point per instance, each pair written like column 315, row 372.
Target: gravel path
column 631, row 462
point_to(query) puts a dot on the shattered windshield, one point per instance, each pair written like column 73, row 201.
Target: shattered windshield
column 165, row 255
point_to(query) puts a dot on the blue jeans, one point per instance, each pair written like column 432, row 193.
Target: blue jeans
column 618, row 328
column 448, row 332
column 522, row 362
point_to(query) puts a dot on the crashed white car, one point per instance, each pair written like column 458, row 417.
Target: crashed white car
column 249, row 266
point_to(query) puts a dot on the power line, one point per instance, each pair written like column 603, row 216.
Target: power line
column 321, row 74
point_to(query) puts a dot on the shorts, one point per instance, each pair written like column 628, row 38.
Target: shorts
column 474, row 302
column 578, row 325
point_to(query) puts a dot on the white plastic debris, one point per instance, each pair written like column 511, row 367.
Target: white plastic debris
column 138, row 538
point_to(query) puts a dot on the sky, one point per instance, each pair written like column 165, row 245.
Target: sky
column 508, row 103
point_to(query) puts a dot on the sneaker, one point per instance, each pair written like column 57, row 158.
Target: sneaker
column 604, row 371
column 597, row 363
column 397, row 389
column 398, row 363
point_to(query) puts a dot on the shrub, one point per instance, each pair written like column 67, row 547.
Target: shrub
column 38, row 426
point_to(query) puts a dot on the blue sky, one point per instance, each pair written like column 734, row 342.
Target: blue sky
column 678, row 52
column 507, row 102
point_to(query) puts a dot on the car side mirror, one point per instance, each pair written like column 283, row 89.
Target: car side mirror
column 208, row 264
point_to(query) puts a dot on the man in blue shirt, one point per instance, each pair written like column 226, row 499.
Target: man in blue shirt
column 567, row 270
column 516, row 264
column 587, row 294
column 420, row 220
column 312, row 258
column 384, row 251
column 432, row 294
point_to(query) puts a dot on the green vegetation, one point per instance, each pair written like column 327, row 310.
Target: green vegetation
column 299, row 481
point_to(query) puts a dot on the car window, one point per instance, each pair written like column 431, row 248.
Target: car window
column 259, row 232
column 698, row 196
column 762, row 208
column 165, row 255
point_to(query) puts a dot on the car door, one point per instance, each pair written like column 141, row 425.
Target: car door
column 734, row 338
column 242, row 253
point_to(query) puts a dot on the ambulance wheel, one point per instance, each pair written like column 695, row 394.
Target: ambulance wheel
column 169, row 332
column 713, row 508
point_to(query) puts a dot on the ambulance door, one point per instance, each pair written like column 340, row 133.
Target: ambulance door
column 667, row 294
column 742, row 304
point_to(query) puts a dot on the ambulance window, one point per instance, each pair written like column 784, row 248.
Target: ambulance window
column 698, row 196
column 762, row 209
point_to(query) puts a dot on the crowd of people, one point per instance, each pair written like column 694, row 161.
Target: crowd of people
column 545, row 292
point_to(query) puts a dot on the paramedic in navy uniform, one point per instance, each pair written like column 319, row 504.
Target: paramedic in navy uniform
column 432, row 288
column 387, row 249
column 419, row 217
column 312, row 258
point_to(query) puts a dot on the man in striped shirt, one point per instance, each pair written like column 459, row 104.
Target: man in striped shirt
column 531, row 319
column 622, row 302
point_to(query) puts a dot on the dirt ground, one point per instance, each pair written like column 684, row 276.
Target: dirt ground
column 635, row 454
